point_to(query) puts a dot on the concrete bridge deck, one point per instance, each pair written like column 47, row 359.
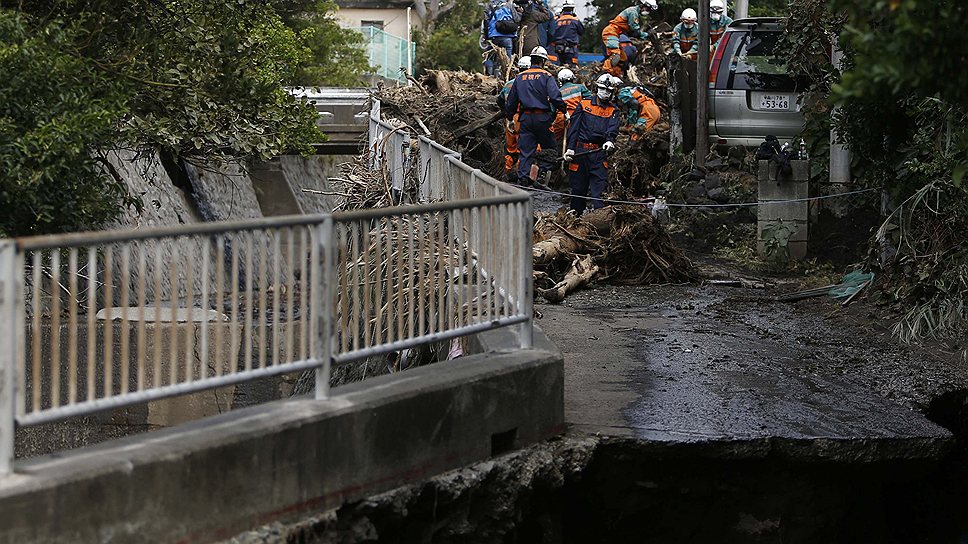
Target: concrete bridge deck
column 682, row 365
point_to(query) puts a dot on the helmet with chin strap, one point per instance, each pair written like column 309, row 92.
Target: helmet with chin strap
column 524, row 63
column 565, row 75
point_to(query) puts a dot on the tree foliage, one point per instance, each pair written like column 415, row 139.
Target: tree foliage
column 336, row 55
column 453, row 42
column 903, row 113
column 201, row 81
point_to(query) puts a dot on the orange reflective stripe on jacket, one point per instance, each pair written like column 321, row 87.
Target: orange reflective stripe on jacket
column 572, row 97
column 597, row 111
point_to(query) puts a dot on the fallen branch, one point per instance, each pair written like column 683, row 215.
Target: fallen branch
column 582, row 271
column 467, row 129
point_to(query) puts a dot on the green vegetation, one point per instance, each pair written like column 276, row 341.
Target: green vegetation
column 903, row 110
column 335, row 55
column 199, row 81
column 453, row 42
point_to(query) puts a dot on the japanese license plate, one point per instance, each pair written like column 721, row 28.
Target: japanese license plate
column 779, row 102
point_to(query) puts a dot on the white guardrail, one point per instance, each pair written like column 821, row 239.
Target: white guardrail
column 102, row 320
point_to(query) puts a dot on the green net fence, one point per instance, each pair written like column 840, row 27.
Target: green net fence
column 388, row 53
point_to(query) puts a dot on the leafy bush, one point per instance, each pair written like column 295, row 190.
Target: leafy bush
column 904, row 115
column 200, row 81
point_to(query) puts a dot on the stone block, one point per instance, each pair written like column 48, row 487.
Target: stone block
column 783, row 190
column 783, row 211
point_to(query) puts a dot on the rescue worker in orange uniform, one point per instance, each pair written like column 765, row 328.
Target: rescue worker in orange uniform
column 718, row 21
column 686, row 35
column 641, row 109
column 593, row 129
column 572, row 93
column 630, row 22
column 512, row 128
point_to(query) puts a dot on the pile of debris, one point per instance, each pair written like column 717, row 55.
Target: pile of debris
column 623, row 245
column 456, row 109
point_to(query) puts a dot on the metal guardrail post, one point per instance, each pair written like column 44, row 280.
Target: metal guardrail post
column 11, row 314
column 323, row 302
column 327, row 285
column 525, row 289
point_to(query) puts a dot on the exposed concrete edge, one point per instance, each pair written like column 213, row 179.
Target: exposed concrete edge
column 213, row 478
column 505, row 340
column 805, row 450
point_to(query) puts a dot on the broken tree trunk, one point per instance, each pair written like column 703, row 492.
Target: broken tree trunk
column 582, row 271
column 552, row 249
column 467, row 129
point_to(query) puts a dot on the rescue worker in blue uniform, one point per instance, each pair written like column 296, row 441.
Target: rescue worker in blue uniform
column 535, row 98
column 568, row 31
column 594, row 128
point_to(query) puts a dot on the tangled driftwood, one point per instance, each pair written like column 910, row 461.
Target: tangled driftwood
column 621, row 244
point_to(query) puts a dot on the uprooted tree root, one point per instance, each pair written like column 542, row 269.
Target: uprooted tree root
column 623, row 245
column 455, row 109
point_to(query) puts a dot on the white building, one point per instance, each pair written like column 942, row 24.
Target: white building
column 387, row 26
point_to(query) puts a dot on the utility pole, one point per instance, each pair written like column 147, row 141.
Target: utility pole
column 839, row 154
column 742, row 9
column 702, row 86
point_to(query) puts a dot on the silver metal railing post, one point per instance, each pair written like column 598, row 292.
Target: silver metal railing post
column 11, row 310
column 525, row 287
column 323, row 296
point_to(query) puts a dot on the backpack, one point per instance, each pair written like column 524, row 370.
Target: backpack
column 768, row 150
column 504, row 20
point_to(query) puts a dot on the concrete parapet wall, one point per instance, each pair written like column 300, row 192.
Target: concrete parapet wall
column 208, row 480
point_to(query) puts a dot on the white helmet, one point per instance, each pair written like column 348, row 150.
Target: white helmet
column 689, row 14
column 539, row 52
column 605, row 87
column 616, row 82
column 605, row 81
column 568, row 4
column 565, row 75
column 649, row 5
column 716, row 9
column 524, row 63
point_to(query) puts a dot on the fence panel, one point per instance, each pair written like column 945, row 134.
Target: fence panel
column 387, row 53
column 411, row 275
column 117, row 318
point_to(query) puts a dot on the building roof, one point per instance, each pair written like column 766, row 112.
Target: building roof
column 375, row 4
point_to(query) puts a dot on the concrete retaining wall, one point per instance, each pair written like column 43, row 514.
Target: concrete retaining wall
column 211, row 479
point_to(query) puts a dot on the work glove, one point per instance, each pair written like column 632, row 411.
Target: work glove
column 608, row 147
column 567, row 117
column 568, row 155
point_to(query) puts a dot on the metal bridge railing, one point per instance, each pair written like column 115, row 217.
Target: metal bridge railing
column 108, row 319
column 100, row 320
